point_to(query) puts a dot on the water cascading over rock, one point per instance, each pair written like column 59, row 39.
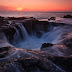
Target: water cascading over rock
column 23, row 31
column 33, row 42
column 17, row 37
column 20, row 55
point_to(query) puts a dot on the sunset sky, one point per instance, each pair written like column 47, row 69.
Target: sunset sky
column 36, row 5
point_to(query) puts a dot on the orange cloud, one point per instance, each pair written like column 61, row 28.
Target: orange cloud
column 6, row 8
column 37, row 5
column 13, row 8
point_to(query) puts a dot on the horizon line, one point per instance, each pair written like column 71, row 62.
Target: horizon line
column 33, row 11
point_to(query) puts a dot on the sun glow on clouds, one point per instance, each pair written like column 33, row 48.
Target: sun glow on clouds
column 36, row 5
column 19, row 9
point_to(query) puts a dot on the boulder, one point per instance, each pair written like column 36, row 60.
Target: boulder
column 46, row 45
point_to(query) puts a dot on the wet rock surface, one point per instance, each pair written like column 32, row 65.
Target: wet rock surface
column 27, row 61
column 51, row 57
column 63, row 62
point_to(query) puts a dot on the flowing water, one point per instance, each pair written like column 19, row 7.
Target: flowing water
column 23, row 30
column 32, row 41
column 16, row 36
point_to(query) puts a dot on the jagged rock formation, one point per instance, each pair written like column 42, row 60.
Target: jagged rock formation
column 25, row 61
column 51, row 58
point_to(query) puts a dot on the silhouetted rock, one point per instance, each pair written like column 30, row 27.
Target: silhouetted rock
column 16, row 18
column 31, row 17
column 1, row 18
column 67, row 16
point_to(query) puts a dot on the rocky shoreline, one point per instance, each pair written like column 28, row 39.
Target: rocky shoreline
column 50, row 57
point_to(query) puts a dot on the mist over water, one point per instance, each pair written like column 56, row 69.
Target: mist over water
column 32, row 41
column 38, row 15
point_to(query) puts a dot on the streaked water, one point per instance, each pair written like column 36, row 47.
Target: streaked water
column 23, row 30
column 33, row 42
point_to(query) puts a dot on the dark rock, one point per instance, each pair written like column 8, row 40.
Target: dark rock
column 4, row 51
column 33, row 61
column 46, row 45
column 31, row 17
column 1, row 18
column 26, row 64
column 9, row 32
column 52, row 18
column 34, row 25
column 68, row 43
column 67, row 16
column 3, row 23
column 64, row 62
column 16, row 18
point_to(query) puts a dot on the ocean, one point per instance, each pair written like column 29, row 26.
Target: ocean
column 38, row 15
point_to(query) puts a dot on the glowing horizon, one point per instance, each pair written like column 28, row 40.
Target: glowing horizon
column 36, row 5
